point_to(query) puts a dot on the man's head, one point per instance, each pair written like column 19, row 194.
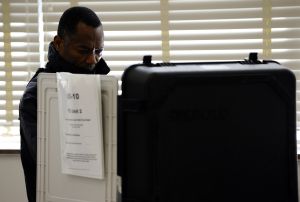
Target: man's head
column 80, row 38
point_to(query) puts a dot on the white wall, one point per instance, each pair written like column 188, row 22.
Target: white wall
column 12, row 184
column 298, row 178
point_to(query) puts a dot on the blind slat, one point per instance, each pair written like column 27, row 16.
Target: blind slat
column 117, row 16
column 215, row 34
column 24, row 66
column 216, row 14
column 204, row 56
column 25, row 27
column 121, row 26
column 286, row 23
column 197, row 24
column 285, row 33
column 216, row 45
column 206, row 30
column 213, row 4
column 286, row 54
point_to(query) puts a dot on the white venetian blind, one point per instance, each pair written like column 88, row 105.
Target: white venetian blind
column 169, row 30
column 51, row 11
column 212, row 30
column 132, row 29
column 286, row 39
column 18, row 57
column 2, row 70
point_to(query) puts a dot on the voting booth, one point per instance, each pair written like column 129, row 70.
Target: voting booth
column 187, row 132
column 52, row 183
column 217, row 132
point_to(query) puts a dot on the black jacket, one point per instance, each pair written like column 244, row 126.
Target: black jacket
column 28, row 114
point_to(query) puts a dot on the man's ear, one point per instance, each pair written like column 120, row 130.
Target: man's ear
column 57, row 42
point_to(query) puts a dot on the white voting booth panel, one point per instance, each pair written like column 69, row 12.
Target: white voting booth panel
column 52, row 184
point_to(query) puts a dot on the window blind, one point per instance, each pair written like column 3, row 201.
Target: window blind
column 19, row 56
column 218, row 30
column 215, row 30
column 132, row 29
column 286, row 39
column 169, row 30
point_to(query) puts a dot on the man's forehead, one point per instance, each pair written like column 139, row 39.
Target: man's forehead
column 86, row 40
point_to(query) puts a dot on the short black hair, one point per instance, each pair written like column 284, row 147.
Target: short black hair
column 72, row 16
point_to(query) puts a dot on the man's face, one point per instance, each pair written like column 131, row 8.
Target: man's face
column 82, row 49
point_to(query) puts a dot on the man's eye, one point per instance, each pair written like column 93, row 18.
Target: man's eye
column 97, row 52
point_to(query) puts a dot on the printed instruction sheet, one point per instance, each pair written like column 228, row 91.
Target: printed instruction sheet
column 79, row 100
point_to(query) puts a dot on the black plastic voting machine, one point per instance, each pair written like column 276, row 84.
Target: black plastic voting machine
column 213, row 132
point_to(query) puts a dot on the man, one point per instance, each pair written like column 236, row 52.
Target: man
column 77, row 48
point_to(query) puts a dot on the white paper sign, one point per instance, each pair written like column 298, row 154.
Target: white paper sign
column 79, row 100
